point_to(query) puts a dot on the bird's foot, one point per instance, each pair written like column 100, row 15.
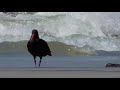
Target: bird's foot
column 35, row 65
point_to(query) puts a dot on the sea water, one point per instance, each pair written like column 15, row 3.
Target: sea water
column 76, row 39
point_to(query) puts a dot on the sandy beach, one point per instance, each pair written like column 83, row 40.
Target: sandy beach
column 81, row 44
column 59, row 73
column 17, row 66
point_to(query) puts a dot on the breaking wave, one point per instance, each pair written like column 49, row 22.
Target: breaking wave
column 80, row 33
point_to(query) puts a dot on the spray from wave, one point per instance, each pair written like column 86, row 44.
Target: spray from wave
column 88, row 31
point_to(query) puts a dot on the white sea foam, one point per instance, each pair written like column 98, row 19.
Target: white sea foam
column 99, row 30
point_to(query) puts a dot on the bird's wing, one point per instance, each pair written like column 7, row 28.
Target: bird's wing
column 44, row 45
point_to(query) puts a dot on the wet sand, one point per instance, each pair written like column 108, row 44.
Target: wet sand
column 22, row 66
column 59, row 72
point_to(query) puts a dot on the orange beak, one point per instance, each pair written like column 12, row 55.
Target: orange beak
column 32, row 37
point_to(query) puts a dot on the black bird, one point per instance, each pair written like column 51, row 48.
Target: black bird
column 38, row 47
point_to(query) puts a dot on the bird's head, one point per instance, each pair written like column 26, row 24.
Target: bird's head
column 34, row 35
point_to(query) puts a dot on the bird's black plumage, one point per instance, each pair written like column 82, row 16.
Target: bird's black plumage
column 37, row 46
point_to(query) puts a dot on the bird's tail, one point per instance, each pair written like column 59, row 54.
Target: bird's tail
column 50, row 54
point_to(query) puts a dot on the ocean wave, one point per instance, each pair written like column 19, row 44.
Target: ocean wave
column 57, row 48
column 96, row 30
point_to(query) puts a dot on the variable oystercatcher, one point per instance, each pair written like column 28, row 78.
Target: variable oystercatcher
column 38, row 47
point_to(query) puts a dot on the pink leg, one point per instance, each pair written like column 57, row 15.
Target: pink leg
column 34, row 60
column 40, row 62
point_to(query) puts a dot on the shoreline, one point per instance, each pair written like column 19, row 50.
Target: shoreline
column 60, row 73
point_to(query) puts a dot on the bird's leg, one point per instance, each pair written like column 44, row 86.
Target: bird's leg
column 40, row 61
column 34, row 61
